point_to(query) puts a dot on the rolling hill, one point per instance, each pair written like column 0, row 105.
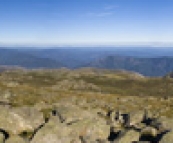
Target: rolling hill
column 147, row 62
column 158, row 66
column 10, row 57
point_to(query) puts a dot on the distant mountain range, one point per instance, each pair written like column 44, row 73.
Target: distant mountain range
column 149, row 62
column 11, row 57
column 147, row 66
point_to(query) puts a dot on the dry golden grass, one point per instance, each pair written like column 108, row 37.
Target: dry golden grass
column 118, row 90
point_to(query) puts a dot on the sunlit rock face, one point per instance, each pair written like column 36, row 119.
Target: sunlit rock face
column 20, row 119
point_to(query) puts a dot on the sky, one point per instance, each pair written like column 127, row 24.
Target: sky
column 86, row 22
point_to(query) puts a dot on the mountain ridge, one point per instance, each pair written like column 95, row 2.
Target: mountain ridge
column 12, row 57
column 78, row 58
column 157, row 66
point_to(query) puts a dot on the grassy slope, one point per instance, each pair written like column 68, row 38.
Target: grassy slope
column 116, row 89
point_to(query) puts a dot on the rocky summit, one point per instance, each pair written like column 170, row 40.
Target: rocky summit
column 84, row 106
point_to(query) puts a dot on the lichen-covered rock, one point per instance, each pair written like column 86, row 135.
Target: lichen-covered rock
column 136, row 117
column 94, row 129
column 148, row 133
column 31, row 115
column 129, row 137
column 167, row 138
column 53, row 132
column 15, row 139
column 167, row 123
column 69, row 113
column 72, row 124
column 17, row 120
column 2, row 138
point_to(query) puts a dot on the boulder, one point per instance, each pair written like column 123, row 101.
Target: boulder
column 167, row 123
column 136, row 117
column 167, row 138
column 68, row 113
column 72, row 124
column 149, row 131
column 53, row 132
column 17, row 120
column 93, row 129
column 2, row 138
column 157, row 123
column 129, row 137
column 148, row 134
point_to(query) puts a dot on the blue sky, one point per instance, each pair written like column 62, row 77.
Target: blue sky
column 85, row 22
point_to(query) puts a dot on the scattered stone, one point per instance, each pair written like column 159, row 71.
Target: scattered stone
column 140, row 126
column 69, row 123
column 116, row 119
